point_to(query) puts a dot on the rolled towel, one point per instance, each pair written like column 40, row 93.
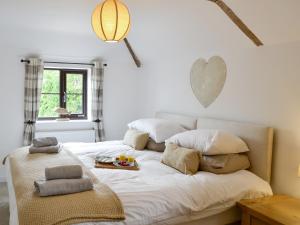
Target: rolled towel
column 45, row 141
column 47, row 149
column 62, row 186
column 63, row 172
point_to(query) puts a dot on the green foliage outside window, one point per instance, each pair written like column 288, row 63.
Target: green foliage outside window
column 50, row 98
column 50, row 93
column 74, row 93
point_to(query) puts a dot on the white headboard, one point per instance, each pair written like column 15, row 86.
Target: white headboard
column 259, row 139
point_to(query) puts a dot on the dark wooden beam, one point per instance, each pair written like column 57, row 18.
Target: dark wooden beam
column 243, row 27
column 134, row 57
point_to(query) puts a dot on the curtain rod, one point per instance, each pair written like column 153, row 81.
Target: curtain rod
column 70, row 63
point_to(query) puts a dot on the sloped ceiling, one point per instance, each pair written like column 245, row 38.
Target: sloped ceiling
column 273, row 21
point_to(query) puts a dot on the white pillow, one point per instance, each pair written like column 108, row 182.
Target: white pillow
column 210, row 142
column 159, row 129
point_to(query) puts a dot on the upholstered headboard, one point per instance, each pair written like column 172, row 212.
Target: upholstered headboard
column 259, row 139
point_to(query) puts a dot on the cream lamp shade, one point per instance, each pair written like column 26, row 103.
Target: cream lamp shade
column 299, row 171
column 111, row 21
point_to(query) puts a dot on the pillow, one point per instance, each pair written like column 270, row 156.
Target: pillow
column 210, row 142
column 159, row 129
column 158, row 147
column 136, row 139
column 221, row 164
column 183, row 159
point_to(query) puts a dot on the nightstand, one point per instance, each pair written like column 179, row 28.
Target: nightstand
column 274, row 210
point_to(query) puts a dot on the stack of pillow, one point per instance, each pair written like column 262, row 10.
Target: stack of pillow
column 151, row 133
column 213, row 151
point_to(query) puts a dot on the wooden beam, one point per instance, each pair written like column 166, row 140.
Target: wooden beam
column 243, row 27
column 134, row 57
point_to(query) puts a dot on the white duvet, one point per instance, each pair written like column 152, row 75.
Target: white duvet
column 157, row 193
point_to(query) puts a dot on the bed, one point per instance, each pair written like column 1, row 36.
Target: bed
column 158, row 194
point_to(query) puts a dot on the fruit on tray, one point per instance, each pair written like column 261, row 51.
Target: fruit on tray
column 123, row 160
column 122, row 163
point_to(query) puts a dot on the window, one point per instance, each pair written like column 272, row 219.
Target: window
column 64, row 88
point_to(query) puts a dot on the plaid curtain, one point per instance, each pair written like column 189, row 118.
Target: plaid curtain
column 33, row 85
column 97, row 100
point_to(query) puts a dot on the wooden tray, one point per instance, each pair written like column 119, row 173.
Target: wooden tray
column 112, row 166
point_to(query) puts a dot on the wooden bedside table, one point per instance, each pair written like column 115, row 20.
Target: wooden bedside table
column 274, row 210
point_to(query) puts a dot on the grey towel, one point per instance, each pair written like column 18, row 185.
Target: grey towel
column 43, row 142
column 63, row 172
column 62, row 186
column 47, row 149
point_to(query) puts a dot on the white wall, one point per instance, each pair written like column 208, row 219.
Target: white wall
column 120, row 87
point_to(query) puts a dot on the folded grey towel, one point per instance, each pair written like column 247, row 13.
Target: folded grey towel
column 47, row 149
column 63, row 172
column 62, row 186
column 43, row 142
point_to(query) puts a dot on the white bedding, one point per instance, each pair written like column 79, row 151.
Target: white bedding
column 157, row 193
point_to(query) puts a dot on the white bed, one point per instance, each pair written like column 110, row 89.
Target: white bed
column 158, row 194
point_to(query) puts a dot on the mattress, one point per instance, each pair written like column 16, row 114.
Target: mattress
column 158, row 194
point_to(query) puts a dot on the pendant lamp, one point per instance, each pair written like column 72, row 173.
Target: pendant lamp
column 111, row 21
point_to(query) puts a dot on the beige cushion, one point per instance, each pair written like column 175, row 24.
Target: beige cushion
column 221, row 164
column 136, row 139
column 183, row 159
column 158, row 147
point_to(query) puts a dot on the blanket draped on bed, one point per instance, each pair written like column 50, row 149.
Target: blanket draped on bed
column 100, row 204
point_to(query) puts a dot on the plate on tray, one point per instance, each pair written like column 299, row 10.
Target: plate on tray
column 105, row 159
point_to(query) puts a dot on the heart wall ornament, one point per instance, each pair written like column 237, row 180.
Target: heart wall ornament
column 208, row 79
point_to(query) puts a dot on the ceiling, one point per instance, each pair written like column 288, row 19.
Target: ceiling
column 273, row 21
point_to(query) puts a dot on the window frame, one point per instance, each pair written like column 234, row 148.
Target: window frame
column 63, row 92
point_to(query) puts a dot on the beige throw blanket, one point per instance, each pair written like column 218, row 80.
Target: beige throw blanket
column 100, row 204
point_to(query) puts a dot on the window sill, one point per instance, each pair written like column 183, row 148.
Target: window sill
column 69, row 121
column 53, row 125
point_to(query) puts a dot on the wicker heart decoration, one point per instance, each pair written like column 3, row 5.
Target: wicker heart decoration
column 208, row 79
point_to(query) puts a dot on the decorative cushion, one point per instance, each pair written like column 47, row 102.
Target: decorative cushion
column 159, row 129
column 221, row 164
column 158, row 147
column 183, row 159
column 210, row 142
column 136, row 139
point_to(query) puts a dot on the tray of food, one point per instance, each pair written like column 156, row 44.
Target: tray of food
column 121, row 162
